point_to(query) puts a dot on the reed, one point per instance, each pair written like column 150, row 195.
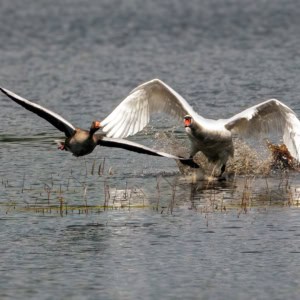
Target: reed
column 65, row 189
column 158, row 191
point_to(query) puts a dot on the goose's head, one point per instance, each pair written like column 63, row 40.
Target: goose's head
column 96, row 125
column 188, row 121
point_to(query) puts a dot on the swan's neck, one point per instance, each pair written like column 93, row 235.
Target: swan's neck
column 195, row 129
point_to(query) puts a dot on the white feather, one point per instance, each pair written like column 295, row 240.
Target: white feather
column 271, row 116
column 153, row 95
column 212, row 137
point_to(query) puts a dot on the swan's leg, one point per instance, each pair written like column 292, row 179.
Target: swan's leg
column 223, row 169
column 221, row 177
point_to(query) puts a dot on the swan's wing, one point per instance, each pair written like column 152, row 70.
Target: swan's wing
column 56, row 120
column 135, row 147
column 269, row 116
column 134, row 112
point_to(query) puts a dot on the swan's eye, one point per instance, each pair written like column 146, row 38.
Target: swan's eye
column 187, row 122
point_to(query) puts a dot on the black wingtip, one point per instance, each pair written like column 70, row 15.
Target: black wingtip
column 190, row 162
column 2, row 90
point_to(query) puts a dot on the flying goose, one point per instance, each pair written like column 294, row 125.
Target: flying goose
column 212, row 137
column 82, row 142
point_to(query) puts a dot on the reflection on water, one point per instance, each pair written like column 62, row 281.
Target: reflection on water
column 92, row 226
column 95, row 187
column 127, row 253
column 39, row 137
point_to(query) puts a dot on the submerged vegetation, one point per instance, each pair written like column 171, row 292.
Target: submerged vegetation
column 251, row 182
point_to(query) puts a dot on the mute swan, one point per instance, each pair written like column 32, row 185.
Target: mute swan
column 212, row 137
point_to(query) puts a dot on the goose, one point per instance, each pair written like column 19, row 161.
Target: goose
column 81, row 142
column 214, row 138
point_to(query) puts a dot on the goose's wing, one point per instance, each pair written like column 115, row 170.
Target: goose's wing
column 135, row 147
column 134, row 112
column 56, row 120
column 269, row 116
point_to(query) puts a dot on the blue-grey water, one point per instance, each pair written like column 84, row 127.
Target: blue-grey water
column 120, row 225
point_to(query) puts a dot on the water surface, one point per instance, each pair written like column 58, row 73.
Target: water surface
column 118, row 225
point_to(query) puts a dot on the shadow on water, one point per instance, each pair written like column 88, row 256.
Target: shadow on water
column 42, row 136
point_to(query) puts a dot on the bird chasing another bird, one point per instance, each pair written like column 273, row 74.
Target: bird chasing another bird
column 214, row 138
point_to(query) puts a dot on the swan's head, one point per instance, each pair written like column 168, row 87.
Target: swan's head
column 96, row 125
column 188, row 121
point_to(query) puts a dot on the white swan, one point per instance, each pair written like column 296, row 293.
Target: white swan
column 212, row 137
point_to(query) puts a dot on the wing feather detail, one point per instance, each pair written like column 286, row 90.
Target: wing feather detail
column 148, row 98
column 266, row 117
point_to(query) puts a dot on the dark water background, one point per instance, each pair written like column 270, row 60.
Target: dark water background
column 81, row 58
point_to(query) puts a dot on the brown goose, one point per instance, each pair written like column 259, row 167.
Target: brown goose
column 82, row 142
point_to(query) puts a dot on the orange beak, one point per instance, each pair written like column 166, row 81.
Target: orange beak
column 187, row 122
column 97, row 124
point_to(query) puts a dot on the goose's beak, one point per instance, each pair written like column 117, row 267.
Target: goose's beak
column 97, row 124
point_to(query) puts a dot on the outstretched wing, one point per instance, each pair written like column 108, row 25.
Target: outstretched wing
column 134, row 112
column 56, row 120
column 269, row 116
column 135, row 147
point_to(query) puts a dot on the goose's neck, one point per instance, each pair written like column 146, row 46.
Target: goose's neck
column 92, row 131
column 97, row 137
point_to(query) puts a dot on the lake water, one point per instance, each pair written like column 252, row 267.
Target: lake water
column 120, row 225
